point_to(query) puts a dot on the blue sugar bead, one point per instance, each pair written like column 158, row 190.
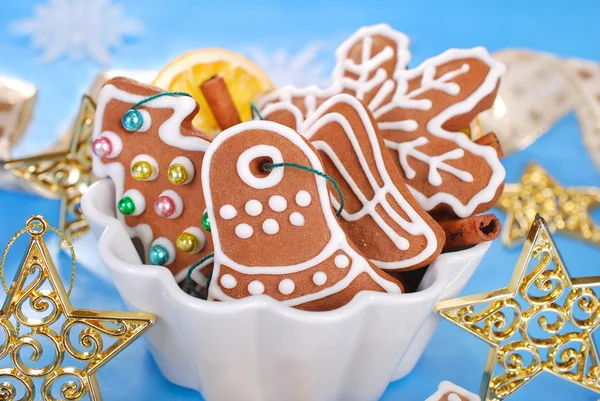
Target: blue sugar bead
column 158, row 255
column 132, row 120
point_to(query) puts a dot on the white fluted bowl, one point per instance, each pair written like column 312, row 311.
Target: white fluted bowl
column 257, row 349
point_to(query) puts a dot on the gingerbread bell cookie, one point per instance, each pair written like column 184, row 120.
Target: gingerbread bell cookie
column 273, row 226
column 144, row 141
column 420, row 113
column 380, row 214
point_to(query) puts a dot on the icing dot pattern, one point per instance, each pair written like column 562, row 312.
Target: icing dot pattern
column 303, row 198
column 256, row 287
column 277, row 203
column 270, row 226
column 244, row 231
column 286, row 286
column 228, row 281
column 341, row 261
column 297, row 219
column 253, row 207
column 228, row 212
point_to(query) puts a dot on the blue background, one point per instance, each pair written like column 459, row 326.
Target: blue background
column 171, row 28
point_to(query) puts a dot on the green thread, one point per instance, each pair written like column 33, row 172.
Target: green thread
column 188, row 278
column 254, row 111
column 269, row 166
column 146, row 100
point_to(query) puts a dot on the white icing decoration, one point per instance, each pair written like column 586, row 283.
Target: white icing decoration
column 168, row 245
column 228, row 281
column 188, row 165
column 453, row 392
column 199, row 234
column 169, row 132
column 277, row 203
column 243, row 166
column 138, row 200
column 146, row 120
column 115, row 142
column 341, row 261
column 297, row 219
column 337, row 240
column 228, row 212
column 177, row 200
column 408, row 100
column 303, row 198
column 150, row 160
column 270, row 226
column 286, row 286
column 254, row 207
column 242, row 230
column 319, row 278
column 256, row 287
column 406, row 149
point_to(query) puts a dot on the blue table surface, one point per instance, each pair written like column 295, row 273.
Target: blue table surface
column 171, row 28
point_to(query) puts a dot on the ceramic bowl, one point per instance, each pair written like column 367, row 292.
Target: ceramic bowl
column 257, row 349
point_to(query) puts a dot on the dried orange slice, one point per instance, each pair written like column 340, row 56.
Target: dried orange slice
column 245, row 81
column 474, row 130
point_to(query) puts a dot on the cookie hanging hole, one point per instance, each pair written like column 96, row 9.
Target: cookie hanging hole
column 257, row 166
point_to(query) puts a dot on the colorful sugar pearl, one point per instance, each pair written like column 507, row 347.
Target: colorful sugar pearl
column 205, row 222
column 165, row 206
column 102, row 147
column 132, row 120
column 126, row 205
column 177, row 174
column 186, row 242
column 141, row 170
column 158, row 255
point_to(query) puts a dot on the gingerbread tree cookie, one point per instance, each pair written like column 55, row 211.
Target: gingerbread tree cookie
column 144, row 141
column 274, row 231
column 380, row 215
column 420, row 113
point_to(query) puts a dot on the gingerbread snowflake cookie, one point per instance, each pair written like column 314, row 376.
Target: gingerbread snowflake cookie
column 380, row 215
column 144, row 141
column 274, row 230
column 421, row 113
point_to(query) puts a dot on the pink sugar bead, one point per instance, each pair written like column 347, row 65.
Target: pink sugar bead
column 164, row 206
column 102, row 146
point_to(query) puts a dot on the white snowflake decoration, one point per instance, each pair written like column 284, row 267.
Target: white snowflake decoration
column 77, row 29
column 300, row 69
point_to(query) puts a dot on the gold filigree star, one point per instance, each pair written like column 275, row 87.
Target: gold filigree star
column 567, row 210
column 79, row 341
column 541, row 322
column 65, row 175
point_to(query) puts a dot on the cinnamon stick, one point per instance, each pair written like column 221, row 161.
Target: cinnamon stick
column 220, row 102
column 490, row 139
column 463, row 233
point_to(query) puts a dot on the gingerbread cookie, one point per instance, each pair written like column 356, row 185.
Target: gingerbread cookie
column 421, row 113
column 154, row 156
column 380, row 215
column 274, row 231
column 448, row 391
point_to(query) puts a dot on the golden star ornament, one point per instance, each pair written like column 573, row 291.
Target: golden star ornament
column 49, row 345
column 64, row 174
column 566, row 209
column 541, row 322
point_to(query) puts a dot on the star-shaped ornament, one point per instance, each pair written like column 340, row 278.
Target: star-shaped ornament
column 64, row 174
column 79, row 341
column 566, row 209
column 541, row 322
